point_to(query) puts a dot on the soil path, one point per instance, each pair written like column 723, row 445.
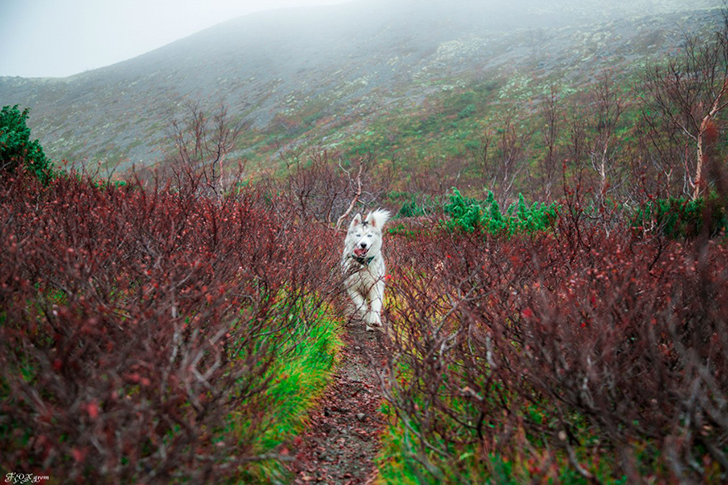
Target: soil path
column 341, row 441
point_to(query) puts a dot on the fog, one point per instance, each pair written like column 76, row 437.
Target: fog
column 56, row 38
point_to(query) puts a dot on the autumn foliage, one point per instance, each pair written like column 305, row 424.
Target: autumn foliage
column 575, row 355
column 142, row 330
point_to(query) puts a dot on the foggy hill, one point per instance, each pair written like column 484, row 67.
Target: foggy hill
column 346, row 61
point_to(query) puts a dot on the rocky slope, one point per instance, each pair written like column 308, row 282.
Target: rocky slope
column 310, row 73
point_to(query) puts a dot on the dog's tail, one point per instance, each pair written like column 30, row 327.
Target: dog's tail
column 378, row 218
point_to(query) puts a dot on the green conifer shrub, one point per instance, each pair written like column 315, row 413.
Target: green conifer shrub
column 16, row 147
column 468, row 214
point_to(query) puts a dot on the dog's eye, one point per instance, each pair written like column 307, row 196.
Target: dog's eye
column 370, row 235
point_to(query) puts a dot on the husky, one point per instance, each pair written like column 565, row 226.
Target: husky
column 363, row 266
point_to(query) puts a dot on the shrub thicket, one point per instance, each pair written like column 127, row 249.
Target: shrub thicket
column 156, row 337
column 572, row 356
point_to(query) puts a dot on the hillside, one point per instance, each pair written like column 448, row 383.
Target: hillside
column 327, row 74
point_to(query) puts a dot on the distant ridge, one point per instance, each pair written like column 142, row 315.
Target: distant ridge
column 346, row 61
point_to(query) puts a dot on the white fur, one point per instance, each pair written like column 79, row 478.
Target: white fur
column 365, row 273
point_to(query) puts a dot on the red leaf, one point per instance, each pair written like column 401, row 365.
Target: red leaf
column 79, row 454
column 93, row 410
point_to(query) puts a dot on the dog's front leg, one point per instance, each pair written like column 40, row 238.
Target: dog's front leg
column 376, row 298
column 358, row 302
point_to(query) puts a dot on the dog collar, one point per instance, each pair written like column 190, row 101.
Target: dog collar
column 363, row 261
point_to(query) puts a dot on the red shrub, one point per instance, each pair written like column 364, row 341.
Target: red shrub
column 137, row 325
column 595, row 350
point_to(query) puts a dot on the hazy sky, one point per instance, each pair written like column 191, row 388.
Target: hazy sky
column 57, row 38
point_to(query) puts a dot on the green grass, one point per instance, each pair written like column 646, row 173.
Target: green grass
column 299, row 376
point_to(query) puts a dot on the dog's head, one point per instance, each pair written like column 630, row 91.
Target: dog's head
column 364, row 238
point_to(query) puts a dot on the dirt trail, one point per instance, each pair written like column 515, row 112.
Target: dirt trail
column 341, row 441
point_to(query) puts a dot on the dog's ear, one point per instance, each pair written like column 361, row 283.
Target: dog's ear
column 368, row 220
column 378, row 218
column 355, row 221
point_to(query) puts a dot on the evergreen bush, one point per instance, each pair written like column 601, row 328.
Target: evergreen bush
column 16, row 147
column 681, row 218
column 468, row 214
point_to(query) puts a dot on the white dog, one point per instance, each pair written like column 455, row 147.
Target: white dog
column 363, row 265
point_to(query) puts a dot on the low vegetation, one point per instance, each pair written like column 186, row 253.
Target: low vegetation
column 572, row 355
column 178, row 326
column 157, row 337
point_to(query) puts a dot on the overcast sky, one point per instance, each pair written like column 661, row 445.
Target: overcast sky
column 57, row 38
